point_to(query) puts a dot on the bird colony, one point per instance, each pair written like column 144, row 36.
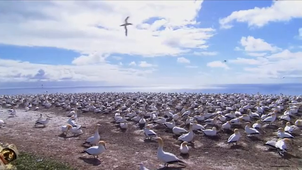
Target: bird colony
column 182, row 115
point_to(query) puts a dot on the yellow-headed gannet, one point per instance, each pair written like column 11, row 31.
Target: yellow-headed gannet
column 249, row 130
column 166, row 157
column 148, row 132
column 93, row 140
column 184, row 148
column 234, row 138
column 282, row 134
column 96, row 150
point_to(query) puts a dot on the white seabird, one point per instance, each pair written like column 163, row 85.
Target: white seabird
column 96, row 150
column 93, row 140
column 125, row 25
column 234, row 138
column 188, row 137
column 282, row 134
column 148, row 132
column 210, row 132
column 166, row 157
column 282, row 145
column 249, row 130
column 184, row 148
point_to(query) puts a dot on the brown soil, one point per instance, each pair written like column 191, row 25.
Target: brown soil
column 126, row 149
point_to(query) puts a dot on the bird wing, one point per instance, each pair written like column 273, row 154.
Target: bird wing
column 169, row 157
column 231, row 138
column 126, row 20
column 271, row 143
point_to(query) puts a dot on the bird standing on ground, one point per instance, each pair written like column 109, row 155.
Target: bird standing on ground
column 96, row 150
column 166, row 157
column 125, row 25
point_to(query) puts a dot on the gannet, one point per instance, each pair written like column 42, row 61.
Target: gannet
column 222, row 118
column 290, row 128
column 170, row 125
column 178, row 130
column 42, row 122
column 12, row 112
column 298, row 122
column 236, row 121
column 270, row 119
column 199, row 117
column 234, row 138
column 249, row 130
column 196, row 126
column 40, row 118
column 188, row 137
column 285, row 117
column 124, row 125
column 246, row 117
column 282, row 134
column 125, row 25
column 142, row 167
column 142, row 121
column 176, row 116
column 148, row 132
column 226, row 126
column 96, row 150
column 184, row 148
column 160, row 120
column 257, row 124
column 65, row 128
column 75, row 130
column 2, row 122
column 166, row 157
column 210, row 132
column 72, row 122
column 93, row 140
column 282, row 145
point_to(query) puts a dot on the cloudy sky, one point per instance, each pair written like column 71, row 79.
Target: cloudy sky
column 171, row 43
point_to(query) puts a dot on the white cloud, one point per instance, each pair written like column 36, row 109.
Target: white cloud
column 94, row 26
column 145, row 64
column 191, row 66
column 256, row 54
column 205, row 53
column 132, row 63
column 89, row 59
column 279, row 11
column 252, row 44
column 217, row 64
column 248, row 61
column 183, row 60
column 282, row 64
column 12, row 70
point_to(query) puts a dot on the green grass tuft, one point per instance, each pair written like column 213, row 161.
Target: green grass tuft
column 28, row 161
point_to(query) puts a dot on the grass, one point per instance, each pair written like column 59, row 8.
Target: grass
column 28, row 161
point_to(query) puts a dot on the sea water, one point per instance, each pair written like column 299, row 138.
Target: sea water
column 286, row 89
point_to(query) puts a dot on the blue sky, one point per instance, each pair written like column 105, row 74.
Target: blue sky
column 183, row 43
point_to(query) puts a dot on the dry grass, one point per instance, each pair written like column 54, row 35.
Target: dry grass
column 125, row 149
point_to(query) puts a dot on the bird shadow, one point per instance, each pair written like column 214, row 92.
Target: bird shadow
column 237, row 147
column 185, row 156
column 149, row 141
column 123, row 130
column 91, row 161
column 228, row 131
column 170, row 168
column 268, row 126
column 254, row 138
column 217, row 137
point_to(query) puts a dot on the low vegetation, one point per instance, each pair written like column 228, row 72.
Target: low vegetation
column 27, row 161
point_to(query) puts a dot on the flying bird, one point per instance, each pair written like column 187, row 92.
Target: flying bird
column 125, row 25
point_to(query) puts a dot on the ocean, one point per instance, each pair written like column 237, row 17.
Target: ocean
column 286, row 89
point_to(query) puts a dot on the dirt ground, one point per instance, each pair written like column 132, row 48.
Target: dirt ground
column 126, row 149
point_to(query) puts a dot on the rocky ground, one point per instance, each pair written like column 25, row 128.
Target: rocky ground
column 126, row 149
